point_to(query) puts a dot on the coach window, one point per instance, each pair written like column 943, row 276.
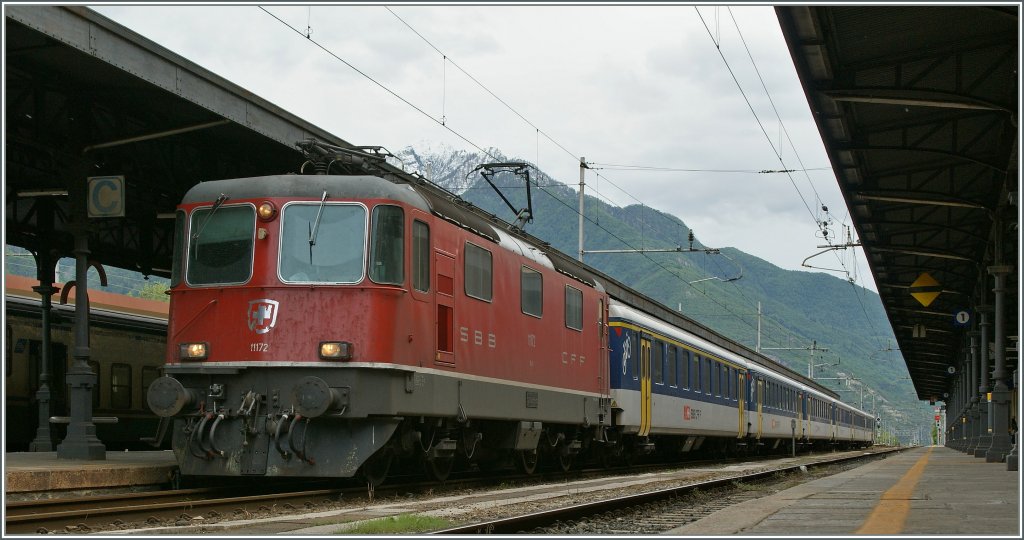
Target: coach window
column 478, row 272
column 221, row 245
column 707, row 376
column 658, row 362
column 149, row 374
column 323, row 243
column 120, row 386
column 531, row 298
column 387, row 245
column 685, row 359
column 573, row 308
column 695, row 378
column 8, row 352
column 673, row 366
column 420, row 256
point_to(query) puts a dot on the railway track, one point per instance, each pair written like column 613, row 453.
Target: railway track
column 726, row 491
column 192, row 507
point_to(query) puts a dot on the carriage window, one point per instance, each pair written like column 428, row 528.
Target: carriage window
column 8, row 351
column 220, row 245
column 658, row 362
column 387, row 245
column 732, row 384
column 420, row 256
column 673, row 366
column 120, row 386
column 323, row 243
column 532, row 292
column 695, row 378
column 149, row 374
column 573, row 308
column 706, row 384
column 685, row 359
column 478, row 272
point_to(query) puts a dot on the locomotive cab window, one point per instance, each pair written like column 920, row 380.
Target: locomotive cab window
column 221, row 245
column 478, row 272
column 532, row 292
column 387, row 245
column 323, row 243
column 179, row 242
column 573, row 308
column 420, row 256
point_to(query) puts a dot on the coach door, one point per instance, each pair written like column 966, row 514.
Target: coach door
column 445, row 307
column 645, row 387
column 741, row 402
column 760, row 404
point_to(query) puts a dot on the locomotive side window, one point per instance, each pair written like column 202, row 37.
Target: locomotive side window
column 179, row 242
column 478, row 272
column 387, row 245
column 573, row 308
column 420, row 256
column 532, row 292
column 323, row 243
column 121, row 386
column 221, row 245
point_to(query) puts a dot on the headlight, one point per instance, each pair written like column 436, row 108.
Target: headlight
column 192, row 351
column 335, row 350
column 266, row 211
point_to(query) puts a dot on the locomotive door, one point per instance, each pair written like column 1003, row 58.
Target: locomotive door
column 445, row 303
column 645, row 387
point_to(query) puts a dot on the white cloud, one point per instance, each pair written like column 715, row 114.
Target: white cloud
column 639, row 85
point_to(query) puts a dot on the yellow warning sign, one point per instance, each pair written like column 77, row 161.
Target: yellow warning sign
column 925, row 289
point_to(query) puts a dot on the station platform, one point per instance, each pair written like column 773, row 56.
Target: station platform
column 922, row 491
column 40, row 475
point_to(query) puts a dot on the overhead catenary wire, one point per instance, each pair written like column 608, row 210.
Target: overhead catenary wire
column 739, row 317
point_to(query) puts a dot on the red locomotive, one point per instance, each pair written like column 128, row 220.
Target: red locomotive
column 324, row 323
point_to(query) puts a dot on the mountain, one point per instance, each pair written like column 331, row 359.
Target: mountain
column 800, row 310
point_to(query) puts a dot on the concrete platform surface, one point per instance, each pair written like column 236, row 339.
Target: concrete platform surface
column 923, row 491
column 43, row 472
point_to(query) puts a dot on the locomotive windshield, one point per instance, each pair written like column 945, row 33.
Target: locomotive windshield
column 336, row 254
column 220, row 247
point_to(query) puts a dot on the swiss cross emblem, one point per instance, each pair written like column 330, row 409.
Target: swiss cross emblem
column 262, row 315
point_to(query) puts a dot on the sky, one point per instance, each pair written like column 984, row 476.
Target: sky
column 641, row 86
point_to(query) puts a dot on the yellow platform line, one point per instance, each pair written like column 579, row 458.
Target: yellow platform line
column 891, row 512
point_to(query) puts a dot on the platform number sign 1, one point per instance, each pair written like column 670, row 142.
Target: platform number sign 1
column 961, row 317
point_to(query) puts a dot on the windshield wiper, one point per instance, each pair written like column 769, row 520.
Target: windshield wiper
column 316, row 226
column 216, row 205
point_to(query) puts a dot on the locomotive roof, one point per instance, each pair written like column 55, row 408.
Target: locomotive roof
column 312, row 186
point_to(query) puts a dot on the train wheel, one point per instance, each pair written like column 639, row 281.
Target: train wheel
column 565, row 461
column 526, row 461
column 439, row 468
column 375, row 470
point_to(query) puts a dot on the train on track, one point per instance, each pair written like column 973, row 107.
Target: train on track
column 338, row 322
column 128, row 349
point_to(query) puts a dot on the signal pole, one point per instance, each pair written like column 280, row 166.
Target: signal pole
column 583, row 166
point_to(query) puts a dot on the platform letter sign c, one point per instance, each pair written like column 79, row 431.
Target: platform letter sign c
column 106, row 196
